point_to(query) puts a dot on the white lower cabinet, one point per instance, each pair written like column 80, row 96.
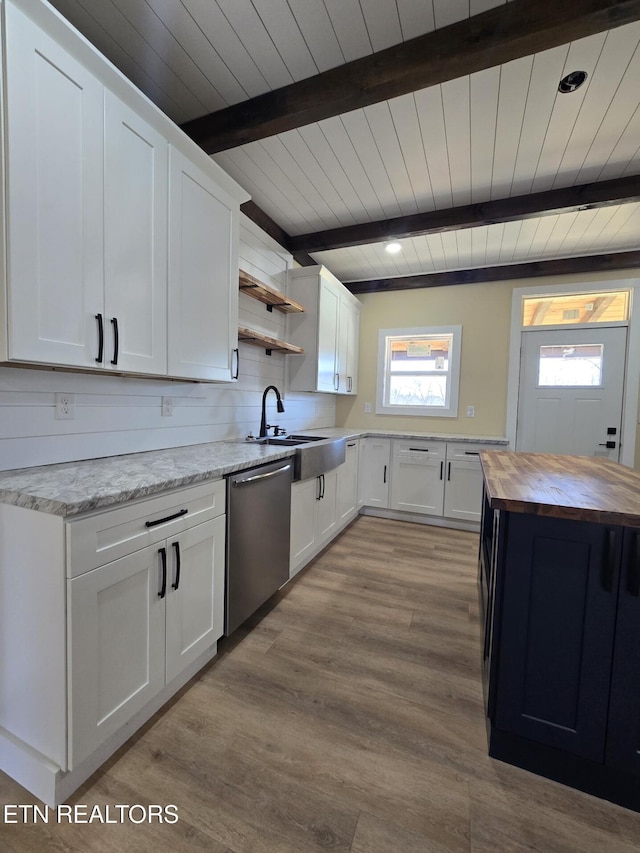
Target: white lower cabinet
column 374, row 472
column 417, row 477
column 321, row 507
column 463, row 491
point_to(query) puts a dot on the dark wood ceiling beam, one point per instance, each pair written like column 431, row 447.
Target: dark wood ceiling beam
column 263, row 220
column 564, row 200
column 534, row 269
column 497, row 36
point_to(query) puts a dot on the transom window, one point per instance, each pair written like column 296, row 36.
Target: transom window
column 418, row 371
column 575, row 308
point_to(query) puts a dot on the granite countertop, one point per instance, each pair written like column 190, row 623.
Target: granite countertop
column 70, row 488
column 582, row 488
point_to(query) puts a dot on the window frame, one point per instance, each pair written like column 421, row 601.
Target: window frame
column 383, row 407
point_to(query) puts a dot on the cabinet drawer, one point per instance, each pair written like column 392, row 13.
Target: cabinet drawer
column 466, row 450
column 419, row 451
column 100, row 538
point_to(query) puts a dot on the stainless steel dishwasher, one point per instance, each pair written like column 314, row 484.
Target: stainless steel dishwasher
column 258, row 531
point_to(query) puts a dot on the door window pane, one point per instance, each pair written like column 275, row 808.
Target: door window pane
column 570, row 365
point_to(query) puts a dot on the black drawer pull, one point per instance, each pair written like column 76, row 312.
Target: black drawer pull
column 633, row 571
column 420, row 449
column 100, row 338
column 116, row 340
column 167, row 518
column 448, row 471
column 384, row 475
column 441, row 469
column 163, row 557
column 176, row 547
column 472, row 453
column 608, row 561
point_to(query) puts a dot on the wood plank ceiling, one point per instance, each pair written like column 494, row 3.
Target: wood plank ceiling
column 498, row 133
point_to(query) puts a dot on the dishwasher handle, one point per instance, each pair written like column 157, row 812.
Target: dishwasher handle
column 261, row 476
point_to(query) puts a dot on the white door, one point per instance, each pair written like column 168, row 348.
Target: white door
column 326, row 507
column 374, row 468
column 304, row 496
column 203, row 274
column 135, row 242
column 347, row 498
column 55, row 199
column 116, row 647
column 571, row 391
column 195, row 593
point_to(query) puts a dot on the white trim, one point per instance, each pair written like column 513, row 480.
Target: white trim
column 630, row 401
column 453, row 386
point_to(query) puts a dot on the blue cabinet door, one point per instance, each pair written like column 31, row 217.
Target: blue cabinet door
column 623, row 735
column 559, row 599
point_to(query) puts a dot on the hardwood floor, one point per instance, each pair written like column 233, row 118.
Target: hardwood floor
column 349, row 717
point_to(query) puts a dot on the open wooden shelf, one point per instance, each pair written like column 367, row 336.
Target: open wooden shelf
column 271, row 297
column 259, row 339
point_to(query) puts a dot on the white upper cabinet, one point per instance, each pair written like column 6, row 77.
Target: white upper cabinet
column 54, row 148
column 94, row 278
column 203, row 274
column 135, row 241
column 327, row 331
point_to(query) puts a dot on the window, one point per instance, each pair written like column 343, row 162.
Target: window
column 605, row 307
column 570, row 366
column 419, row 371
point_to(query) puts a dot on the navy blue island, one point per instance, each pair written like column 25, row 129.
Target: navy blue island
column 559, row 586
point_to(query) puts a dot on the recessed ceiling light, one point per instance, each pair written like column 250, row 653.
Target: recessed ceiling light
column 393, row 248
column 572, row 81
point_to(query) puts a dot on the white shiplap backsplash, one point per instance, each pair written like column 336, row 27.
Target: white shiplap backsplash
column 115, row 415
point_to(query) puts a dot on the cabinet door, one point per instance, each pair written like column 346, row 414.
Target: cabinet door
column 417, row 481
column 304, row 496
column 195, row 593
column 55, row 199
column 116, row 647
column 329, row 303
column 347, row 494
column 326, row 507
column 203, row 274
column 463, row 490
column 558, row 620
column 348, row 338
column 375, row 463
column 623, row 734
column 135, row 235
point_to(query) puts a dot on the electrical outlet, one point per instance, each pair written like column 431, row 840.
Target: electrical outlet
column 65, row 407
column 367, row 408
column 167, row 407
column 471, row 411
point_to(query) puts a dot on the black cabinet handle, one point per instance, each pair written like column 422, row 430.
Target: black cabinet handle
column 166, row 518
column 319, row 494
column 176, row 547
column 384, row 475
column 163, row 557
column 633, row 570
column 448, row 471
column 608, row 561
column 323, row 484
column 116, row 340
column 419, row 449
column 441, row 469
column 237, row 373
column 100, row 338
column 472, row 453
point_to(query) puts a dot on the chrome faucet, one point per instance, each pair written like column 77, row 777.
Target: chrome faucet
column 264, row 426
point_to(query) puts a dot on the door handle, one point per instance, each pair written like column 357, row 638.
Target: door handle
column 237, row 373
column 441, row 468
column 176, row 547
column 100, row 338
column 448, row 471
column 384, row 475
column 319, row 492
column 266, row 476
column 116, row 340
column 163, row 558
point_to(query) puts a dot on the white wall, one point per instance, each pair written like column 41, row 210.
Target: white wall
column 115, row 415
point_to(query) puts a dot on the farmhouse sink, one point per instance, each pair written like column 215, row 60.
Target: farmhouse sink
column 314, row 455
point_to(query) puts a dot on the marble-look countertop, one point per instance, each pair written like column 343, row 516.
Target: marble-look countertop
column 70, row 488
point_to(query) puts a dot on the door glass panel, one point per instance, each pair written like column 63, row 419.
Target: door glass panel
column 571, row 365
column 576, row 308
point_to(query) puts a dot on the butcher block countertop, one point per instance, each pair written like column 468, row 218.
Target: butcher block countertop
column 582, row 488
